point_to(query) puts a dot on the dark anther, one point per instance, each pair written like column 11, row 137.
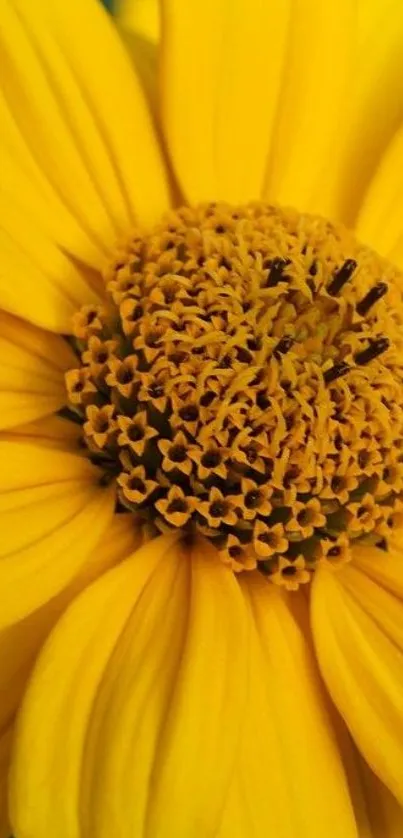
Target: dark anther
column 313, row 270
column 235, row 551
column 363, row 459
column 254, row 344
column 263, row 401
column 290, row 475
column 376, row 347
column 243, row 355
column 177, row 454
column 102, row 357
column 218, row 509
column 225, row 363
column 336, row 372
column 211, row 459
column 177, row 357
column 156, row 391
column 376, row 293
column 220, row 228
column 252, row 499
column 283, row 346
column 207, row 398
column 189, row 413
column 290, row 570
column 334, row 551
column 136, row 484
column 251, row 454
column 135, row 433
column 342, row 276
column 276, row 268
column 124, row 376
column 177, row 505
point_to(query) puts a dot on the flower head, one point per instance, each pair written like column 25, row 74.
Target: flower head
column 201, row 424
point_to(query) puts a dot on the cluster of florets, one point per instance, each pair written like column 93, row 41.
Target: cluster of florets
column 243, row 380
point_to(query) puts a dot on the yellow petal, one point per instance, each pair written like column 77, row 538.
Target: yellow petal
column 222, row 65
column 155, row 656
column 140, row 16
column 357, row 626
column 288, row 779
column 377, row 813
column 53, row 512
column 38, row 281
column 144, row 54
column 52, row 431
column 32, row 369
column 380, row 220
column 78, row 121
column 21, row 641
column 5, row 747
column 374, row 109
column 385, row 571
column 316, row 85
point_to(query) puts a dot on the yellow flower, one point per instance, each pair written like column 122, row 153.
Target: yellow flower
column 156, row 286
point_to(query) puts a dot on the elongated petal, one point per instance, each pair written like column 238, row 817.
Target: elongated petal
column 380, row 220
column 222, row 65
column 289, row 778
column 79, row 126
column 51, row 431
column 140, row 16
column 310, row 112
column 157, row 666
column 38, row 281
column 31, row 374
column 374, row 109
column 21, row 641
column 53, row 512
column 377, row 813
column 5, row 748
column 357, row 625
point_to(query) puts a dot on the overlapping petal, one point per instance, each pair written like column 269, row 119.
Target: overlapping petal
column 21, row 641
column 377, row 812
column 358, row 631
column 309, row 118
column 53, row 513
column 176, row 624
column 31, row 374
column 5, row 748
column 373, row 109
column 217, row 58
column 79, row 137
column 380, row 219
column 289, row 779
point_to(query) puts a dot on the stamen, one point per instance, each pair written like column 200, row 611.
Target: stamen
column 276, row 268
column 376, row 347
column 376, row 293
column 337, row 371
column 342, row 276
column 283, row 346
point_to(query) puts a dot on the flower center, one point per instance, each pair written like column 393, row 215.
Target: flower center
column 243, row 380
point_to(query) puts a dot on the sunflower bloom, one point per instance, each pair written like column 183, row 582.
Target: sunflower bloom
column 201, row 444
